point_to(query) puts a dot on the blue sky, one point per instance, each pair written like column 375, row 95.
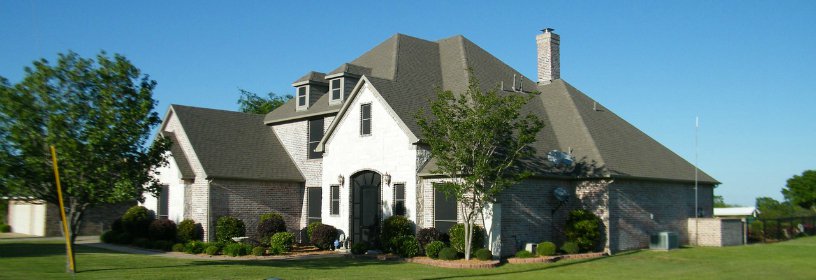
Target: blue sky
column 747, row 68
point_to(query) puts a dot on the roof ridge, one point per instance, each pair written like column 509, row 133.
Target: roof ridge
column 213, row 109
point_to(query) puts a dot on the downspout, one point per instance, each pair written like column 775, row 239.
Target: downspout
column 209, row 209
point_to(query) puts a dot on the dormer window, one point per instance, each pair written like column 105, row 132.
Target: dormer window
column 301, row 96
column 336, row 89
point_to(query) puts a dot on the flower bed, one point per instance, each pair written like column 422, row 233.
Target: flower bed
column 473, row 263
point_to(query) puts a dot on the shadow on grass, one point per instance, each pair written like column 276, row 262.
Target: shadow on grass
column 559, row 264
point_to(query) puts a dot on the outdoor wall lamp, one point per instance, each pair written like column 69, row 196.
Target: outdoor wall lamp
column 340, row 179
column 387, row 178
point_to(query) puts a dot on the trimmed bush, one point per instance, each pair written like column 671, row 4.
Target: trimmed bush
column 5, row 228
column 228, row 227
column 282, row 241
column 194, row 247
column 432, row 249
column 584, row 228
column 123, row 238
column 448, row 254
column 109, row 237
column 524, row 254
column 546, row 248
column 212, row 250
column 267, row 216
column 258, row 251
column 406, row 246
column 359, row 248
column 188, row 231
column 570, row 248
column 164, row 245
column 484, row 254
column 178, row 247
column 275, row 251
column 428, row 235
column 310, row 228
column 270, row 226
column 162, row 230
column 237, row 249
column 393, row 228
column 323, row 236
column 141, row 242
column 457, row 238
column 136, row 221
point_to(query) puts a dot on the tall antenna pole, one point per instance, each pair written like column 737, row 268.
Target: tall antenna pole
column 696, row 206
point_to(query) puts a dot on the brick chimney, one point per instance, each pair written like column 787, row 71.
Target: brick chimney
column 549, row 63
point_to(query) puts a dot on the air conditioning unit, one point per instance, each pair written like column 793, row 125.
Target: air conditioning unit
column 665, row 240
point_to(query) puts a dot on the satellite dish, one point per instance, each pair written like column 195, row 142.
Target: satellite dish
column 560, row 159
column 561, row 194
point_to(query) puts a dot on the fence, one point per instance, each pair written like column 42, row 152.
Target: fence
column 780, row 229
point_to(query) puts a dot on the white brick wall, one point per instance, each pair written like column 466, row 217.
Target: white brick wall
column 715, row 232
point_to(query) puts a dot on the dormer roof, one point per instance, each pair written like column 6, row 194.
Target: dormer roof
column 311, row 77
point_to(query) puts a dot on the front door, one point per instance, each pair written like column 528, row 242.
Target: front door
column 365, row 207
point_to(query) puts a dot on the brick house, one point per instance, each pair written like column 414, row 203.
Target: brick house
column 347, row 151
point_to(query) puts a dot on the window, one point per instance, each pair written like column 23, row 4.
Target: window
column 336, row 90
column 335, row 200
column 315, row 201
column 444, row 211
column 399, row 199
column 315, row 134
column 365, row 119
column 301, row 94
column 164, row 202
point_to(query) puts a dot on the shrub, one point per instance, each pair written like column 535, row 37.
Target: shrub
column 188, row 230
column 123, row 238
column 433, row 248
column 136, row 221
column 406, row 246
column 310, row 228
column 109, row 236
column 116, row 226
column 484, row 254
column 237, row 249
column 5, row 228
column 393, row 228
column 584, row 228
column 546, row 248
column 428, row 235
column 258, row 251
column 323, row 236
column 457, row 238
column 523, row 254
column 194, row 247
column 359, row 248
column 228, row 227
column 282, row 241
column 141, row 242
column 178, row 247
column 164, row 245
column 270, row 226
column 448, row 254
column 162, row 230
column 268, row 216
column 570, row 248
column 212, row 250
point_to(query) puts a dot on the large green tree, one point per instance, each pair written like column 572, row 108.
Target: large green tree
column 250, row 102
column 98, row 114
column 801, row 189
column 480, row 141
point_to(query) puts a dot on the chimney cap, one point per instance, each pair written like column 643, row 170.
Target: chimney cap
column 547, row 30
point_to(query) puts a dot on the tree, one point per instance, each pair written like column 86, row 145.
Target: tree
column 770, row 208
column 801, row 190
column 98, row 115
column 249, row 102
column 719, row 202
column 480, row 142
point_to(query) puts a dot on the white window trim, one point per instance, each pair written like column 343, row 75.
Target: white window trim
column 306, row 97
column 370, row 119
column 331, row 200
column 341, row 88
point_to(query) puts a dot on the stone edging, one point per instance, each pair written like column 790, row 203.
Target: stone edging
column 547, row 259
column 453, row 264
column 583, row 256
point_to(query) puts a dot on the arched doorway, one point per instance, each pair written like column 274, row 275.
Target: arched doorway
column 365, row 207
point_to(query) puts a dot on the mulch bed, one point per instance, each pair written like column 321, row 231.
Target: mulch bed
column 473, row 263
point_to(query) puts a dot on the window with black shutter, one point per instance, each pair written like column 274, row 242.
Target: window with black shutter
column 315, row 202
column 445, row 210
column 365, row 119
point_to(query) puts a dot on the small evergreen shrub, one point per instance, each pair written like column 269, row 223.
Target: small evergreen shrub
column 433, row 248
column 282, row 241
column 323, row 236
column 188, row 230
column 570, row 248
column 484, row 254
column 407, row 246
column 275, row 251
column 457, row 238
column 212, row 250
column 448, row 254
column 310, row 228
column 428, row 235
column 524, row 254
column 228, row 227
column 270, row 226
column 258, row 251
column 194, row 247
column 237, row 249
column 393, row 228
column 5, row 228
column 136, row 221
column 109, row 236
column 162, row 230
column 267, row 216
column 359, row 248
column 546, row 248
column 584, row 228
column 178, row 247
column 141, row 242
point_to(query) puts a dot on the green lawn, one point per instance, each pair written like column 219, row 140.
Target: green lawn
column 788, row 260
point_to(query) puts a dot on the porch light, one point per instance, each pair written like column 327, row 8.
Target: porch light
column 387, row 178
column 340, row 179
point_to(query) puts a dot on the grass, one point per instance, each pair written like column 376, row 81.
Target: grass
column 786, row 260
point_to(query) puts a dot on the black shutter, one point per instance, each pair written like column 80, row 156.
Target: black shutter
column 315, row 203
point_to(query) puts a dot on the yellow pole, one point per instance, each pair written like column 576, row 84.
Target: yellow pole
column 71, row 266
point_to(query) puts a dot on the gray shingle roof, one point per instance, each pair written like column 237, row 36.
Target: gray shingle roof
column 312, row 77
column 233, row 145
column 351, row 69
column 178, row 155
